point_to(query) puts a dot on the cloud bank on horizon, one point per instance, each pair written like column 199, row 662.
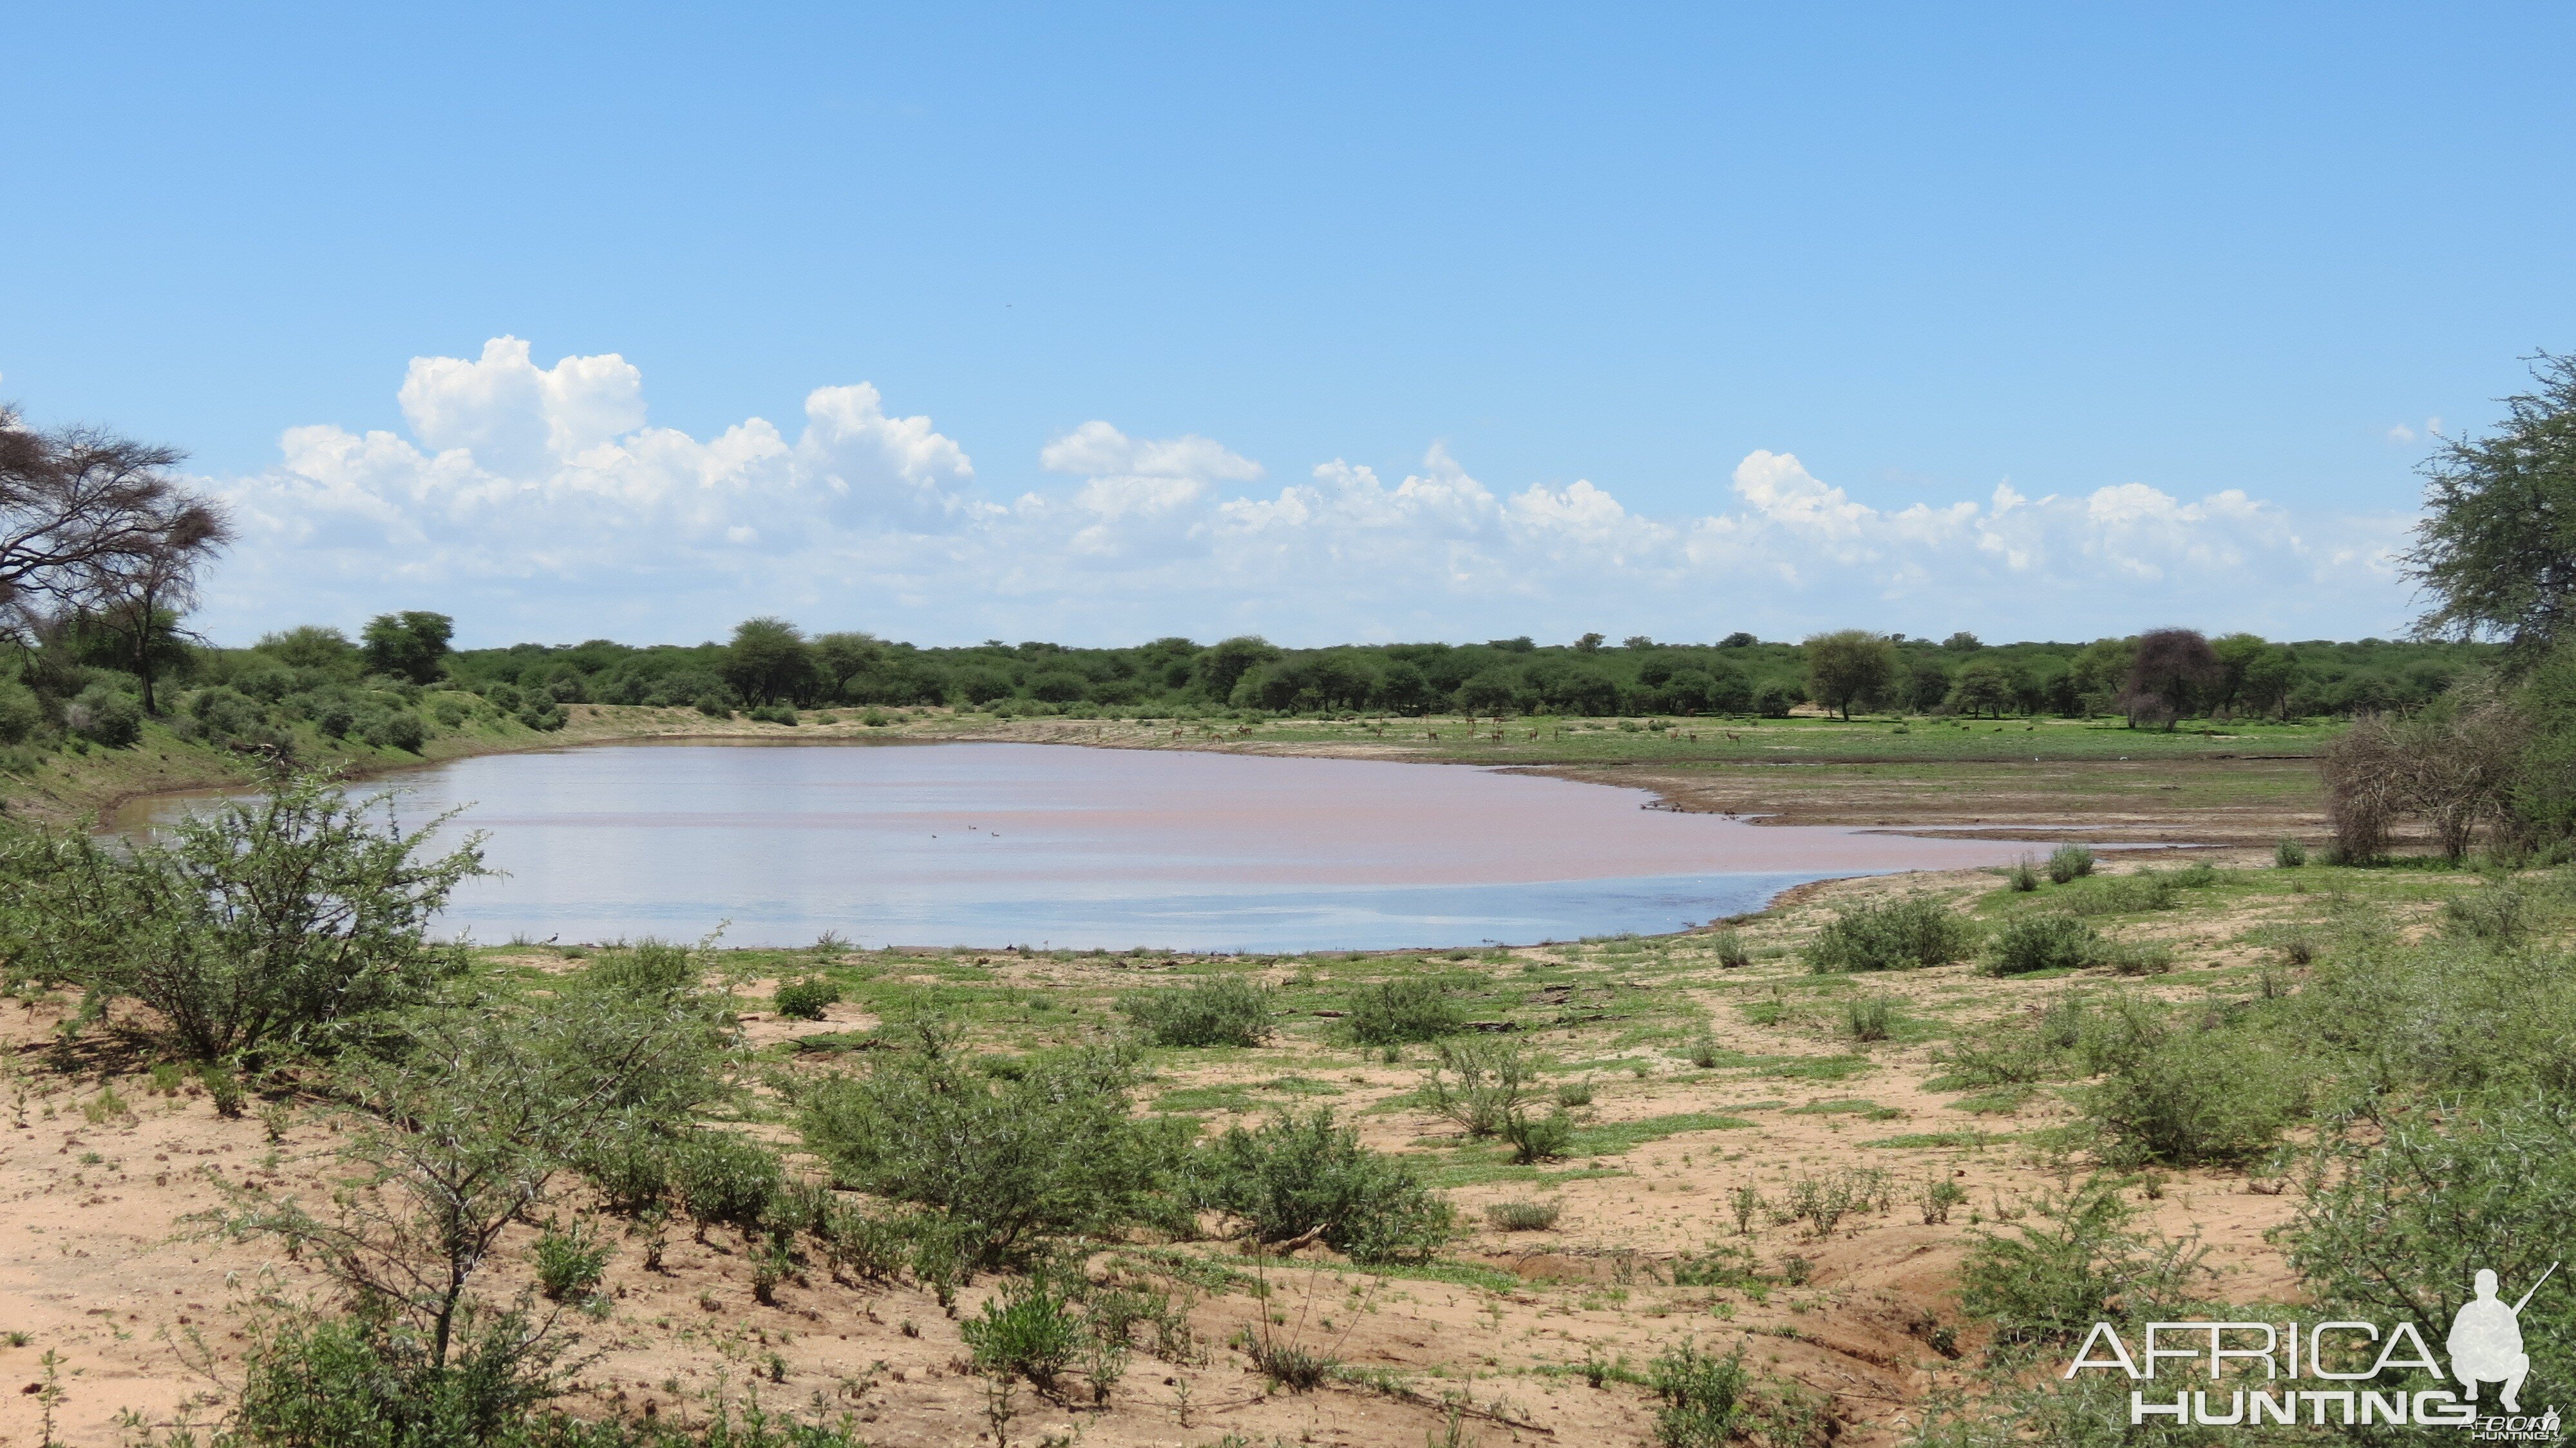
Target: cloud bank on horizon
column 540, row 504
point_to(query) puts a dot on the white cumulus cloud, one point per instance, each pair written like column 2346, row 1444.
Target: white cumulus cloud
column 541, row 503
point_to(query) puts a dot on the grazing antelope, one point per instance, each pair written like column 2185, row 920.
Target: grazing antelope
column 1731, row 734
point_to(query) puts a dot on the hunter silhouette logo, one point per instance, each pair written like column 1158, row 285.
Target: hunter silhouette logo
column 2286, row 1373
column 2486, row 1341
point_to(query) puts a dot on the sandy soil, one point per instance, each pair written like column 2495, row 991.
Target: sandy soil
column 99, row 1261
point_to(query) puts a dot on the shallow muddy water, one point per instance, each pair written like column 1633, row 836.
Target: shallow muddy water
column 1003, row 844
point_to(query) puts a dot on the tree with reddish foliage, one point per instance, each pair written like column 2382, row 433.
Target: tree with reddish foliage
column 2171, row 670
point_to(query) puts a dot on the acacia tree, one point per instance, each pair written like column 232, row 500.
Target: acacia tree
column 1849, row 666
column 1985, row 687
column 1224, row 664
column 769, row 660
column 2497, row 547
column 408, row 645
column 91, row 522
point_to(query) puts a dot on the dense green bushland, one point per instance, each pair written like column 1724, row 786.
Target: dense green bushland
column 2415, row 1086
column 770, row 662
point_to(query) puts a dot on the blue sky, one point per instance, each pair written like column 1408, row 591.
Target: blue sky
column 1584, row 260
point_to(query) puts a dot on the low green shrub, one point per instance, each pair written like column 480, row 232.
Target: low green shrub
column 2497, row 914
column 1823, row 1200
column 1523, row 1216
column 1869, row 1018
column 1938, row 1196
column 805, row 1000
column 629, row 1163
column 1722, row 1264
column 2023, row 877
column 1008, row 1161
column 2068, row 862
column 1891, row 935
column 107, row 717
column 1703, row 1396
column 2289, row 854
column 1026, row 1330
column 2051, row 941
column 2135, row 957
column 726, row 1179
column 1536, row 1138
column 1219, row 1010
column 397, row 729
column 1299, row 1174
column 2076, row 1263
column 21, row 713
column 1406, row 1009
column 370, row 1380
column 245, row 926
column 645, row 968
column 2183, row 1095
column 1729, row 947
column 570, row 1261
column 2134, row 894
column 1483, row 1085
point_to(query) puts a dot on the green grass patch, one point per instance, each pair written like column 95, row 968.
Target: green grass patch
column 1206, row 1098
column 2002, row 1101
column 1813, row 1068
column 1478, row 1166
column 1612, row 1138
column 1300, row 1086
column 1926, row 1140
column 1848, row 1106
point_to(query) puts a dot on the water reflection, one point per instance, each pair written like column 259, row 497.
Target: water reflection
column 995, row 844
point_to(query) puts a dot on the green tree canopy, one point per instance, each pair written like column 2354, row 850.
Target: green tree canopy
column 1849, row 666
column 1224, row 664
column 2497, row 547
column 408, row 645
column 769, row 661
column 1985, row 687
column 310, row 646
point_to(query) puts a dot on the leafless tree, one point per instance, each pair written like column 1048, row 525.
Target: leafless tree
column 92, row 523
column 2455, row 769
column 2364, row 769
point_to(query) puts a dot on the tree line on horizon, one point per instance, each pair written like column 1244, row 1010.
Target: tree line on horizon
column 2153, row 677
column 102, row 547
